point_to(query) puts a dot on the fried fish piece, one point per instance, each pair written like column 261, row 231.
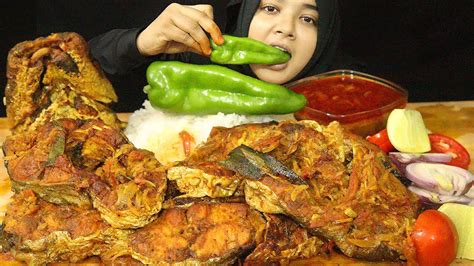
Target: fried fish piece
column 283, row 242
column 131, row 188
column 37, row 72
column 350, row 194
column 37, row 160
column 201, row 234
column 263, row 137
column 201, row 174
column 63, row 102
column 40, row 232
column 92, row 143
column 208, row 179
column 58, row 160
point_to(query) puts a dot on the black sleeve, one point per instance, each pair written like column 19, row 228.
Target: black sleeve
column 117, row 52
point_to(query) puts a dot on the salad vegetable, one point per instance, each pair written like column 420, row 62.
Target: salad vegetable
column 433, row 199
column 445, row 144
column 407, row 132
column 440, row 178
column 420, row 157
column 381, row 139
column 436, row 176
column 401, row 159
column 435, row 238
column 463, row 218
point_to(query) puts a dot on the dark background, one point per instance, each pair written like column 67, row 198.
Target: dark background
column 425, row 46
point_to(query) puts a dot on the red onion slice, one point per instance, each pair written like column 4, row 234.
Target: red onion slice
column 402, row 159
column 421, row 157
column 438, row 198
column 440, row 178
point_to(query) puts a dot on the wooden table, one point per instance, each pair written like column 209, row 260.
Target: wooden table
column 455, row 119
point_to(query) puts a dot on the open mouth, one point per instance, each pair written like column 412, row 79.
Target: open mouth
column 284, row 49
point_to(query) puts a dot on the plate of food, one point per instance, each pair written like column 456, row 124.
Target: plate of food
column 176, row 185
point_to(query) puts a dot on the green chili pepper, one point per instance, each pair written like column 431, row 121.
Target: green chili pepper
column 240, row 50
column 210, row 89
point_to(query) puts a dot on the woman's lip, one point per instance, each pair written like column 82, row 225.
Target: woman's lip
column 287, row 49
column 278, row 67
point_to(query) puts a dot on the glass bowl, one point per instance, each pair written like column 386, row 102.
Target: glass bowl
column 358, row 101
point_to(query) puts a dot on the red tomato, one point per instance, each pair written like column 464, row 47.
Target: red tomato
column 445, row 144
column 435, row 238
column 381, row 139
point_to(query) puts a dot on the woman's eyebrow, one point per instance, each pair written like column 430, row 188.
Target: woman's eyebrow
column 310, row 6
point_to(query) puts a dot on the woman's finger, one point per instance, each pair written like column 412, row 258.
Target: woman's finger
column 177, row 35
column 192, row 27
column 204, row 15
column 206, row 9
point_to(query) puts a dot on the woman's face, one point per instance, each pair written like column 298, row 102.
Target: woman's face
column 288, row 24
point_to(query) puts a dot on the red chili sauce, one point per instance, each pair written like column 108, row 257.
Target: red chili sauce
column 347, row 95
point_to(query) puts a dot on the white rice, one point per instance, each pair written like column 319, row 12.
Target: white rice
column 158, row 131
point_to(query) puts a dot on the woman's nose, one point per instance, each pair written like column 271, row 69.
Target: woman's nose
column 285, row 26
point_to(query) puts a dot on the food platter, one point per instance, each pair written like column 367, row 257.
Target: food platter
column 272, row 191
column 450, row 118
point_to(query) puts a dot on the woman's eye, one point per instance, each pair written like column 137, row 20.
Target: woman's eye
column 270, row 9
column 309, row 20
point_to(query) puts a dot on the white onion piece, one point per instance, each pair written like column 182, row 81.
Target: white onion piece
column 421, row 157
column 441, row 178
column 438, row 198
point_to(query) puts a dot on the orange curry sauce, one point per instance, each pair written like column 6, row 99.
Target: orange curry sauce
column 343, row 96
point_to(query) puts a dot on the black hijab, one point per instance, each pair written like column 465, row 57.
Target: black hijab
column 328, row 35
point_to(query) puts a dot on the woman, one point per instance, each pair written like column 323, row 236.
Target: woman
column 307, row 29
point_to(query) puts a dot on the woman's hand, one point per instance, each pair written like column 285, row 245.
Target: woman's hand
column 180, row 28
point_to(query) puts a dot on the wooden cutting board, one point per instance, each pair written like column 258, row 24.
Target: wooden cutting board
column 455, row 119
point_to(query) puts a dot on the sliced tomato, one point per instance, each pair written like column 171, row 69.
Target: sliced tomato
column 435, row 238
column 381, row 139
column 444, row 144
